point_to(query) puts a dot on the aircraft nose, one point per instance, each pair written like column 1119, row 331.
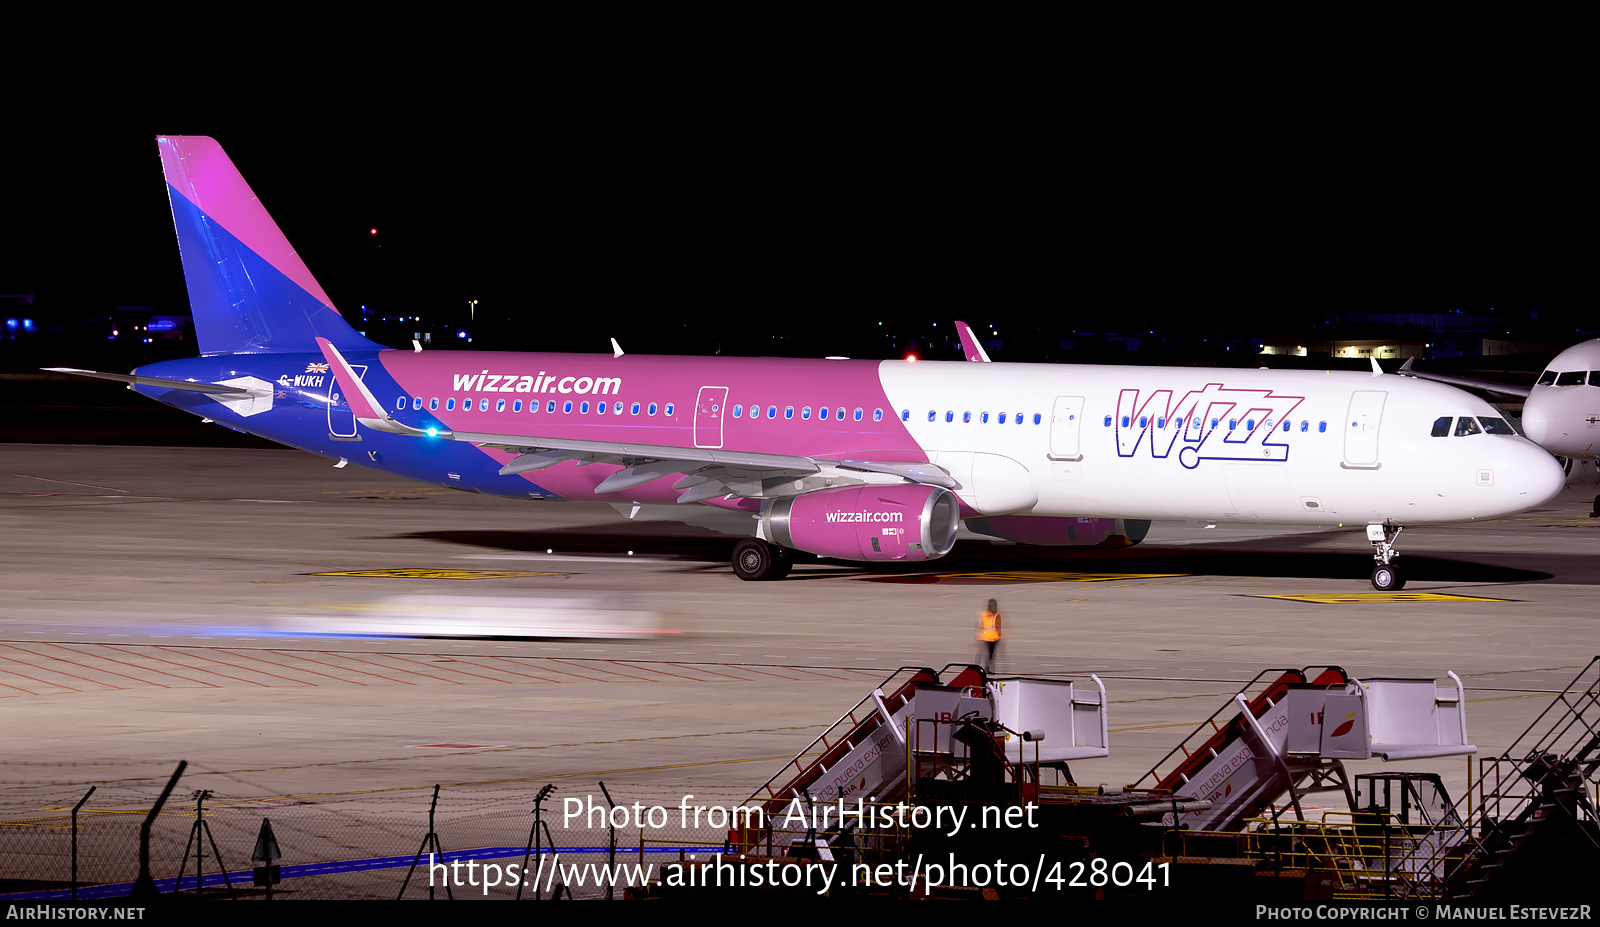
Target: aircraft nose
column 1536, row 420
column 1539, row 477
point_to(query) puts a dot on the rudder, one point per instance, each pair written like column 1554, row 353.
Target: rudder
column 248, row 289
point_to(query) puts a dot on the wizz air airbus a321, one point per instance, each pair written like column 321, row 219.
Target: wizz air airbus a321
column 858, row 460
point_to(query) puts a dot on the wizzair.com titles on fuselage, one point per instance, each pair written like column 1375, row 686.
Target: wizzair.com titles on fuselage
column 486, row 382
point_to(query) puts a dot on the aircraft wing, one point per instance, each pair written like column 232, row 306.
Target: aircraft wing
column 210, row 388
column 1504, row 389
column 708, row 472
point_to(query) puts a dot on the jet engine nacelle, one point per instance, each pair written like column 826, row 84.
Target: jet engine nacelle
column 907, row 522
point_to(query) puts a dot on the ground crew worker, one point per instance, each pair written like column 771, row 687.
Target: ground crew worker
column 989, row 632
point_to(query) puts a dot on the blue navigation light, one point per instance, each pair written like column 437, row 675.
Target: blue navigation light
column 11, row 323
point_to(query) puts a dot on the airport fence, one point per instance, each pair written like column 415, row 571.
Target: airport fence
column 359, row 844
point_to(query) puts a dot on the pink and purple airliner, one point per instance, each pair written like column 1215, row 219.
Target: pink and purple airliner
column 850, row 459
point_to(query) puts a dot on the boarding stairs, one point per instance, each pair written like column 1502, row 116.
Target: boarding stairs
column 1289, row 735
column 916, row 719
column 1528, row 815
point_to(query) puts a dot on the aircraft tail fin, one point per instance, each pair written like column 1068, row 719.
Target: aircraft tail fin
column 248, row 289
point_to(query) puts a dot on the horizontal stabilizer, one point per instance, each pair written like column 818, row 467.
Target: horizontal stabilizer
column 194, row 387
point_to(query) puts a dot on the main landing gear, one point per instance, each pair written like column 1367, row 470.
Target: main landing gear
column 1386, row 574
column 755, row 559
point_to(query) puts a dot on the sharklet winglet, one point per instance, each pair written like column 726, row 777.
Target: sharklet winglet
column 369, row 413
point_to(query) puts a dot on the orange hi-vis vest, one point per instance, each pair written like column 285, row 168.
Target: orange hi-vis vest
column 989, row 626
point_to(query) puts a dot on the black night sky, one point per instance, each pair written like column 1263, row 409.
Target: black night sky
column 788, row 216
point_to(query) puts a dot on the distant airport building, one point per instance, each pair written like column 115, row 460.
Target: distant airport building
column 1354, row 348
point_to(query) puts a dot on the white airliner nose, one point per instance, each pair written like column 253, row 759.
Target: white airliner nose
column 1536, row 420
column 1539, row 477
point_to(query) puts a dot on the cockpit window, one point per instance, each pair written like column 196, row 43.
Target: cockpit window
column 1467, row 425
column 1441, row 427
column 1496, row 426
column 1571, row 378
column 1548, row 378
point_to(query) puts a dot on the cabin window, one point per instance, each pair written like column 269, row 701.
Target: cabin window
column 984, row 418
column 500, row 405
column 450, row 404
column 772, row 411
column 755, row 411
column 652, row 408
column 1037, row 418
column 1126, row 421
column 839, row 414
column 599, row 408
column 550, row 406
column 877, row 415
column 966, row 418
column 566, row 407
column 583, row 407
column 483, row 405
column 633, row 409
column 738, row 411
column 516, row 406
column 805, row 413
column 932, row 415
column 416, row 404
column 856, row 416
column 433, row 404
column 668, row 409
column 400, row 403
column 1322, row 427
column 1144, row 421
column 822, row 414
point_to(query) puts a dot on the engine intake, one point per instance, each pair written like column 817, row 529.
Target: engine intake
column 907, row 522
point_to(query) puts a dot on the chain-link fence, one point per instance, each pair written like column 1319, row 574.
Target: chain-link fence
column 359, row 844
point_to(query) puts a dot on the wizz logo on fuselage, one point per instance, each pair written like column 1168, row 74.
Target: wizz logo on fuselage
column 1213, row 423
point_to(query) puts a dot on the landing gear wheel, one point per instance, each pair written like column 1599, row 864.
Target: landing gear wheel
column 1388, row 577
column 755, row 560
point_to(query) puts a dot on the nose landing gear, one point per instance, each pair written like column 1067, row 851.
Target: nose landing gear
column 1387, row 576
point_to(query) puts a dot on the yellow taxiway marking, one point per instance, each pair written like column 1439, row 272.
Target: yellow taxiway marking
column 1368, row 598
column 437, row 574
column 1031, row 576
